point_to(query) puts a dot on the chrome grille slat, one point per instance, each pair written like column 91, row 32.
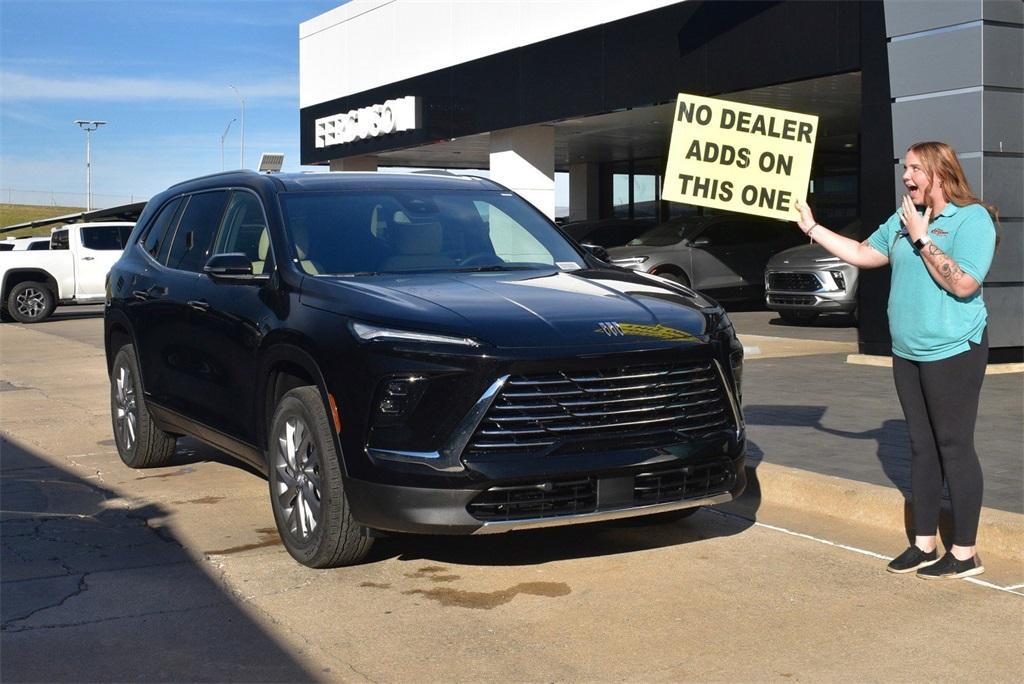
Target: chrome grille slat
column 562, row 410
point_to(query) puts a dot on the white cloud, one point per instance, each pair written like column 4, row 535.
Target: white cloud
column 21, row 86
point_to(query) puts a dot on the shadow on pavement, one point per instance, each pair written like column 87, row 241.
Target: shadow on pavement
column 93, row 590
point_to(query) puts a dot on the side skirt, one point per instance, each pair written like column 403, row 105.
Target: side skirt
column 172, row 421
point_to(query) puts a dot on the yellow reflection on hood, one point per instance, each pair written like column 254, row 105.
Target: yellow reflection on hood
column 661, row 332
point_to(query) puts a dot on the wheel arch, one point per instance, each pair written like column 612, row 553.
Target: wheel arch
column 21, row 275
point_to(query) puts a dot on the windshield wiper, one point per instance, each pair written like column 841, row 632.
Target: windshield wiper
column 492, row 267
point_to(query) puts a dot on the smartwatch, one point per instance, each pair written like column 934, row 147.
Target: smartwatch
column 920, row 242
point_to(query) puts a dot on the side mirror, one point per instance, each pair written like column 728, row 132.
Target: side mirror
column 233, row 266
column 597, row 251
column 701, row 242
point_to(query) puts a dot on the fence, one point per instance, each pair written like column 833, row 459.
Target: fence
column 53, row 198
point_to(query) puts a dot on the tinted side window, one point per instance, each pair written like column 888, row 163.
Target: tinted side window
column 59, row 239
column 245, row 230
column 194, row 237
column 159, row 228
column 39, row 245
column 102, row 237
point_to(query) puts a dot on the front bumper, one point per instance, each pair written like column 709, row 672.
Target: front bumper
column 424, row 510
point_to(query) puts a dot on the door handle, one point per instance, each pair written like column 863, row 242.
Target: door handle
column 88, row 258
column 199, row 305
column 157, row 291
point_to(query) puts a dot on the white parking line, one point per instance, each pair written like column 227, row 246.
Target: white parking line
column 864, row 552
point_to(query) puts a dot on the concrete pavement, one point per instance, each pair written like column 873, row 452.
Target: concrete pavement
column 177, row 574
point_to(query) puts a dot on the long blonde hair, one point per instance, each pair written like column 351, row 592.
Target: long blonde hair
column 940, row 162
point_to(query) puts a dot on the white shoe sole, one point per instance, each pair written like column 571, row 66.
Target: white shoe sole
column 913, row 569
column 960, row 575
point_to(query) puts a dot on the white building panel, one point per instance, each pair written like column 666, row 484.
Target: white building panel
column 368, row 43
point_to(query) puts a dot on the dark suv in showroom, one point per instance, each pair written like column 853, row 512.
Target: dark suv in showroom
column 415, row 353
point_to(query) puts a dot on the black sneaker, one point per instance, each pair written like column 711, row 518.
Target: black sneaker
column 949, row 567
column 912, row 559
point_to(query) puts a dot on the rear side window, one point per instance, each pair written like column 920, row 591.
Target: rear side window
column 193, row 239
column 158, row 229
column 41, row 244
column 104, row 237
column 59, row 239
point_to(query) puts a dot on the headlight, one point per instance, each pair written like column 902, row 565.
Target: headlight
column 372, row 333
column 630, row 262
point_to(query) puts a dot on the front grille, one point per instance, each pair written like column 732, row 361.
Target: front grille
column 791, row 300
column 793, row 282
column 608, row 408
column 541, row 500
column 695, row 481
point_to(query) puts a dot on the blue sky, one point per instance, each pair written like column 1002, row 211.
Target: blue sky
column 160, row 74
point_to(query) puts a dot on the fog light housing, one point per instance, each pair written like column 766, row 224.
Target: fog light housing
column 736, row 362
column 397, row 397
column 839, row 278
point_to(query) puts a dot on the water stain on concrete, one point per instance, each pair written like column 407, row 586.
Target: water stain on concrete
column 268, row 537
column 375, row 585
column 106, row 443
column 203, row 500
column 434, row 573
column 487, row 600
column 177, row 473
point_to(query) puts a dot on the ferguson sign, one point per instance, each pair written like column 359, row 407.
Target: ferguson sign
column 402, row 114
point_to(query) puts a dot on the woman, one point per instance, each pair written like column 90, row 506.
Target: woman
column 937, row 320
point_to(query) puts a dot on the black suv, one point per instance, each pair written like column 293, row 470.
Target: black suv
column 415, row 353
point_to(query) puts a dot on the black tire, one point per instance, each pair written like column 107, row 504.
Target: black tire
column 307, row 491
column 140, row 443
column 30, row 302
column 798, row 317
column 4, row 316
column 674, row 276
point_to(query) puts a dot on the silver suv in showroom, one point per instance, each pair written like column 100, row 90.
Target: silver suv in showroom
column 803, row 282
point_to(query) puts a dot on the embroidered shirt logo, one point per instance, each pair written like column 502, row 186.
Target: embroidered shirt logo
column 939, row 231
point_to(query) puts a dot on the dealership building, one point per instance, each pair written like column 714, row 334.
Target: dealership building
column 528, row 88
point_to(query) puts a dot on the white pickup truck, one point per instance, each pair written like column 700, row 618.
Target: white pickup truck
column 72, row 271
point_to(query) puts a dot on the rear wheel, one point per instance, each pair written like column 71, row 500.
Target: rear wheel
column 30, row 302
column 798, row 316
column 140, row 443
column 307, row 491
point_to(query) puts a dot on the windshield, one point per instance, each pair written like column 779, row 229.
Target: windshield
column 662, row 235
column 400, row 231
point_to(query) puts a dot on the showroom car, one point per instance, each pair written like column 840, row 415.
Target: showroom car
column 806, row 281
column 415, row 353
column 722, row 255
column 606, row 233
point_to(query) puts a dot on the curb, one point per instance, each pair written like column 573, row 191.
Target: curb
column 999, row 532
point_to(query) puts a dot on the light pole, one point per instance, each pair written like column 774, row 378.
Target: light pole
column 222, row 142
column 242, row 125
column 88, row 127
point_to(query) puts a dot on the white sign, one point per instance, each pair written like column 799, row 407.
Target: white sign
column 402, row 114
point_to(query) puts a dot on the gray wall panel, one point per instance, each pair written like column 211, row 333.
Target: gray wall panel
column 1004, row 56
column 1003, row 10
column 910, row 16
column 1003, row 180
column 1004, row 121
column 1008, row 264
column 953, row 119
column 1005, row 310
column 914, row 64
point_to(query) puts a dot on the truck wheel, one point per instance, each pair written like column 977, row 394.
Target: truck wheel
column 306, row 488
column 140, row 443
column 30, row 302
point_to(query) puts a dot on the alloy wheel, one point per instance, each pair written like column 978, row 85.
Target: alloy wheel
column 30, row 302
column 126, row 409
column 297, row 467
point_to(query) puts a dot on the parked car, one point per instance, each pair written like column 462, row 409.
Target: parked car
column 24, row 243
column 72, row 271
column 806, row 281
column 723, row 255
column 607, row 233
column 415, row 353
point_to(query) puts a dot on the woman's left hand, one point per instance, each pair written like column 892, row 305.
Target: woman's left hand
column 916, row 224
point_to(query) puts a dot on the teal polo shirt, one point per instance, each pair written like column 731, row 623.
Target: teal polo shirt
column 926, row 322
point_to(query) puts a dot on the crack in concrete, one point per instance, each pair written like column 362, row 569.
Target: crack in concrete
column 362, row 674
column 113, row 619
column 82, row 587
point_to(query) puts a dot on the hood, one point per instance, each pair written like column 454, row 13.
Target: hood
column 804, row 256
column 535, row 308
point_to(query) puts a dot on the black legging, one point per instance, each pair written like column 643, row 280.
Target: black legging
column 940, row 402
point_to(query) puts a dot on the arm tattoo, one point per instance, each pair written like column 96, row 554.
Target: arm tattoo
column 946, row 266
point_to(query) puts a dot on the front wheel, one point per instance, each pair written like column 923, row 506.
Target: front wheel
column 140, row 443
column 30, row 302
column 307, row 491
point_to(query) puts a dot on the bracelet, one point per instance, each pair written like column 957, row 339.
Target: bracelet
column 811, row 230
